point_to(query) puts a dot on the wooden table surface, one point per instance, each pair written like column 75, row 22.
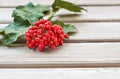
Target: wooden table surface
column 56, row 73
column 96, row 44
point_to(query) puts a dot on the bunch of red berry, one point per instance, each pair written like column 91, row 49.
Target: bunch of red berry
column 43, row 35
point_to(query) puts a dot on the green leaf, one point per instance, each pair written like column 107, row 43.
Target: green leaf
column 24, row 17
column 9, row 38
column 1, row 31
column 29, row 13
column 55, row 5
column 68, row 28
column 58, row 22
column 12, row 32
column 16, row 27
column 66, row 5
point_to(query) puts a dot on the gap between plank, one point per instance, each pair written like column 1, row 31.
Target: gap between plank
column 83, row 5
column 92, row 40
column 86, row 65
column 80, row 21
column 71, row 41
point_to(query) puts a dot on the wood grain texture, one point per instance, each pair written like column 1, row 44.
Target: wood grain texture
column 94, row 32
column 68, row 55
column 13, row 3
column 78, row 73
column 94, row 14
column 72, row 54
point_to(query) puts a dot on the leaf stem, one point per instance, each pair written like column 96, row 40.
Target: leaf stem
column 52, row 13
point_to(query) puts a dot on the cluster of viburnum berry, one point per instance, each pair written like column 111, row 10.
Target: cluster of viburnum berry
column 43, row 35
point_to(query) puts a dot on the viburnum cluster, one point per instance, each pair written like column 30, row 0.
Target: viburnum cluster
column 43, row 35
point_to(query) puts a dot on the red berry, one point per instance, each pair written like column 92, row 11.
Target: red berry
column 36, row 23
column 54, row 31
column 28, row 39
column 48, row 27
column 51, row 42
column 59, row 31
column 61, row 42
column 47, row 35
column 39, row 32
column 27, row 42
column 31, row 28
column 37, row 39
column 35, row 31
column 61, row 36
column 62, row 32
column 33, row 41
column 66, row 36
column 56, row 44
column 55, row 40
column 42, row 21
column 34, row 34
column 30, row 45
column 52, row 46
column 45, row 44
column 36, row 44
column 50, row 32
column 43, row 34
column 34, row 27
column 40, row 49
column 52, row 37
column 30, row 31
column 27, row 34
column 48, row 23
column 60, row 28
column 44, row 38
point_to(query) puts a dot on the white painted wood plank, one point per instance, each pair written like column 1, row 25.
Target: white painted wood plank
column 4, row 3
column 68, row 55
column 96, row 32
column 74, row 73
column 94, row 14
column 93, row 32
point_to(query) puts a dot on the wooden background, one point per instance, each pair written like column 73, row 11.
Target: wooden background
column 96, row 44
column 78, row 73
